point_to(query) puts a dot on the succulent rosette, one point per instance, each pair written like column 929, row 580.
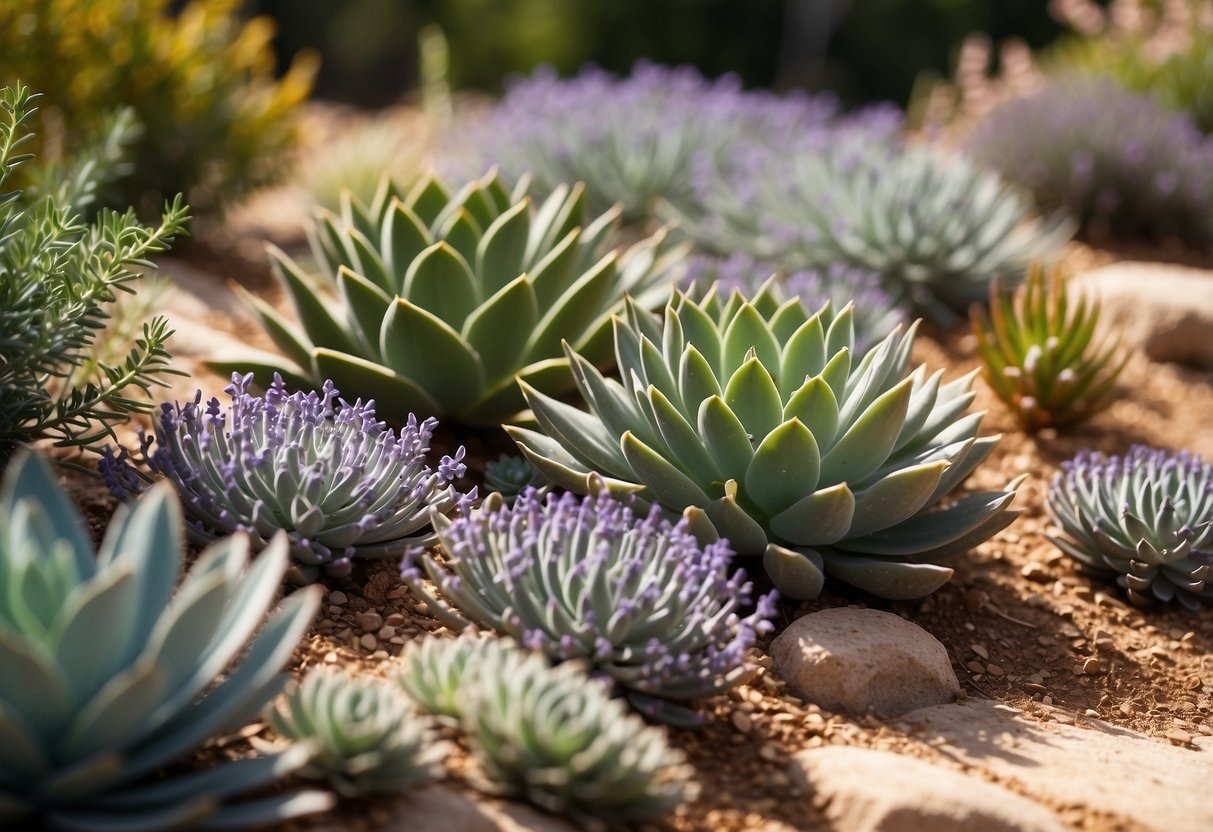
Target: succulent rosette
column 639, row 599
column 1145, row 518
column 341, row 483
column 758, row 420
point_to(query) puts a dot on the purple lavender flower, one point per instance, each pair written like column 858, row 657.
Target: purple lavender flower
column 638, row 599
column 633, row 140
column 1117, row 160
column 1146, row 517
column 875, row 312
column 339, row 481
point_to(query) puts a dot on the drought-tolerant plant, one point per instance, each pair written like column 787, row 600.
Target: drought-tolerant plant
column 638, row 599
column 759, row 421
column 200, row 82
column 510, row 475
column 1116, row 160
column 634, row 140
column 111, row 668
column 935, row 227
column 1146, row 518
column 365, row 734
column 341, row 483
column 58, row 276
column 551, row 735
column 1163, row 47
column 1040, row 354
column 436, row 302
column 875, row 312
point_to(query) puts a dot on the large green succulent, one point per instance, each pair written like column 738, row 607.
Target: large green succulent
column 756, row 419
column 366, row 736
column 107, row 674
column 434, row 302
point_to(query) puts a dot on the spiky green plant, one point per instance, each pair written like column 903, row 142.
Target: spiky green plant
column 758, row 421
column 510, row 475
column 435, row 302
column 1040, row 355
column 107, row 674
column 365, row 734
column 556, row 738
column 1145, row 518
column 58, row 276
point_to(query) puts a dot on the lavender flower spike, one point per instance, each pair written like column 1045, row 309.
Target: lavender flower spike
column 638, row 599
column 339, row 481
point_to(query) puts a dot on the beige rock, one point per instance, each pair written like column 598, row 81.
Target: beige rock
column 864, row 790
column 443, row 809
column 1164, row 310
column 857, row 660
column 1150, row 784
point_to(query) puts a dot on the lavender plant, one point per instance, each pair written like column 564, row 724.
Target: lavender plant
column 365, row 735
column 640, row 600
column 1040, row 355
column 1117, row 160
column 875, row 313
column 58, row 278
column 1145, row 518
column 631, row 140
column 341, row 483
column 934, row 227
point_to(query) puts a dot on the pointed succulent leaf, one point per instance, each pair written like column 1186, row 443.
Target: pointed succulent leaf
column 785, row 467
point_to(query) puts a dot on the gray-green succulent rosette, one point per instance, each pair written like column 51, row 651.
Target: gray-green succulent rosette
column 758, row 421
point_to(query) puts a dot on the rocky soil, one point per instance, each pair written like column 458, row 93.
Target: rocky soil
column 1073, row 710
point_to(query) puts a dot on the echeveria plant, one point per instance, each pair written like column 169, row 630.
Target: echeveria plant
column 113, row 666
column 1145, row 518
column 436, row 302
column 365, row 735
column 510, row 475
column 341, row 483
column 757, row 420
column 1121, row 163
column 638, row 599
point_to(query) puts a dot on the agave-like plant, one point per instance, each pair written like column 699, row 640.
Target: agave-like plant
column 365, row 734
column 510, row 475
column 340, row 482
column 1040, row 355
column 436, row 302
column 638, row 599
column 936, row 228
column 1146, row 517
column 756, row 419
column 107, row 674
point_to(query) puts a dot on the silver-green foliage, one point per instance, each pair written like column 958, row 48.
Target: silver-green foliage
column 1145, row 518
column 758, row 420
column 58, row 275
column 435, row 671
column 107, row 674
column 553, row 735
column 365, row 734
column 936, row 228
column 434, row 302
column 510, row 475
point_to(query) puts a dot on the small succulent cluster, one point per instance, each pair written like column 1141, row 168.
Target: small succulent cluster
column 875, row 313
column 758, row 420
column 110, row 670
column 1040, row 353
column 436, row 302
column 1118, row 161
column 1146, row 517
column 550, row 735
column 58, row 278
column 365, row 734
column 639, row 600
column 510, row 475
column 634, row 140
column 198, row 78
column 935, row 227
column 341, row 483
